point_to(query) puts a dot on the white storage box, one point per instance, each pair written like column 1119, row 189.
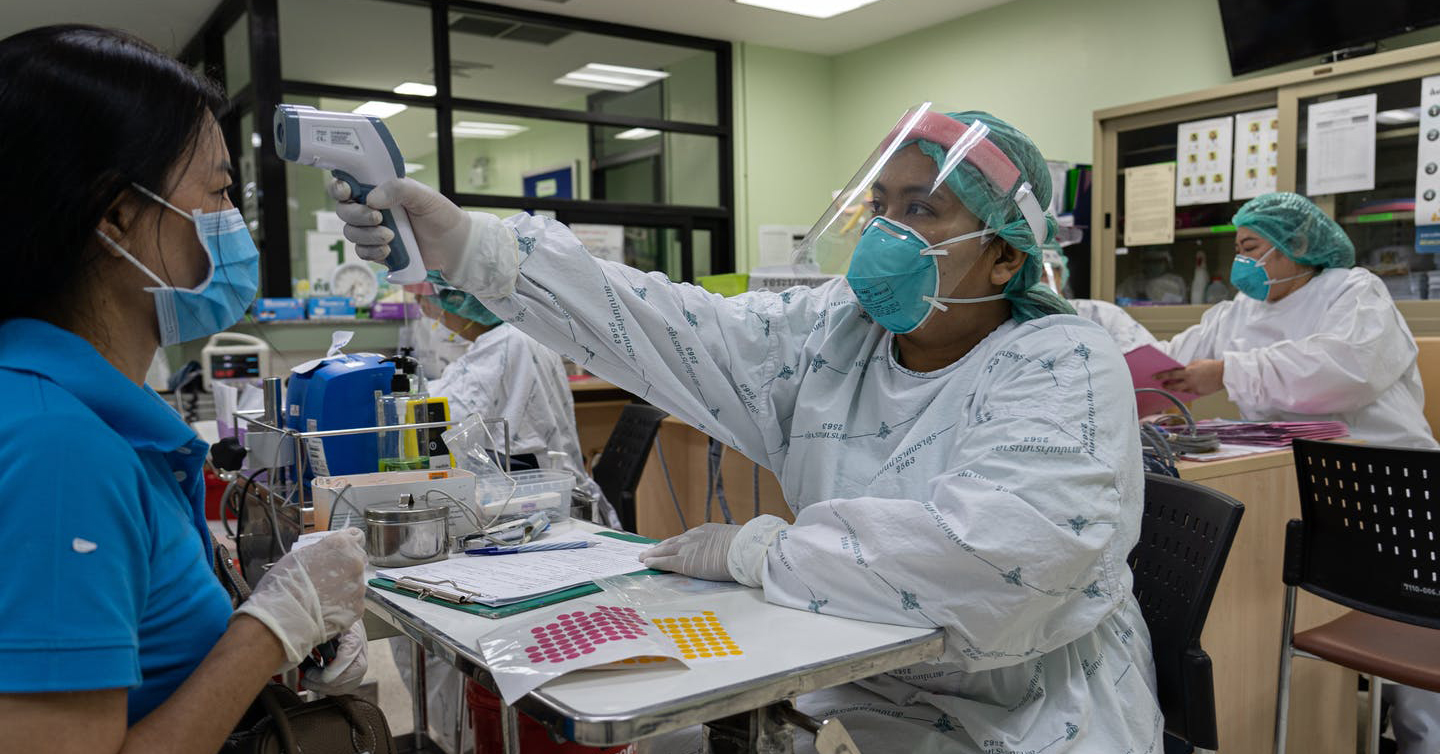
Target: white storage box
column 365, row 490
column 536, row 490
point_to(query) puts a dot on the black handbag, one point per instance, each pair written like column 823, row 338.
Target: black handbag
column 279, row 722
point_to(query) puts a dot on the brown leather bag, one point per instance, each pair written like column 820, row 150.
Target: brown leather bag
column 280, row 723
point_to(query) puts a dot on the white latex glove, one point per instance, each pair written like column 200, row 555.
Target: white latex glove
column 344, row 673
column 473, row 250
column 702, row 552
column 311, row 594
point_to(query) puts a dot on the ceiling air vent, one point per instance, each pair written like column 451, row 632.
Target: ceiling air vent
column 496, row 28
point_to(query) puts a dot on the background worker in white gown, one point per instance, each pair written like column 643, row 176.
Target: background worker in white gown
column 960, row 450
column 501, row 373
column 1128, row 333
column 1312, row 337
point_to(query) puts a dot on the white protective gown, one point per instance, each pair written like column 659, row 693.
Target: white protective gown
column 1335, row 349
column 1128, row 333
column 996, row 499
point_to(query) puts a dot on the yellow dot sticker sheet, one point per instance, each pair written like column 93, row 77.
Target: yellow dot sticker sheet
column 699, row 635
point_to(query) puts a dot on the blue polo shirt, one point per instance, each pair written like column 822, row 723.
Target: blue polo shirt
column 105, row 578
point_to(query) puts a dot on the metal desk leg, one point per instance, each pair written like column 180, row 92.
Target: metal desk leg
column 761, row 731
column 509, row 729
column 419, row 703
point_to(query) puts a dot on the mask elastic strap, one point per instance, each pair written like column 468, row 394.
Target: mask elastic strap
column 1292, row 277
column 158, row 198
column 934, row 250
column 117, row 247
column 940, row 303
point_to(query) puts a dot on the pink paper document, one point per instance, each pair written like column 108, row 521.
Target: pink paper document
column 1145, row 362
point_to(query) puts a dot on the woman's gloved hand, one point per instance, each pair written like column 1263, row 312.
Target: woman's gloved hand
column 311, row 594
column 473, row 250
column 702, row 552
column 343, row 674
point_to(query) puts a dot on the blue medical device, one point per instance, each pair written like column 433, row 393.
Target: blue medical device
column 359, row 150
column 338, row 393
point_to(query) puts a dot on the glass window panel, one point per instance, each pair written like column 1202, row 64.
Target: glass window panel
column 237, row 55
column 1381, row 221
column 700, row 252
column 508, row 156
column 644, row 165
column 497, row 59
column 313, row 225
column 373, row 44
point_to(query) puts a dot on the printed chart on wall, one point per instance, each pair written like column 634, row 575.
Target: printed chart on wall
column 1427, row 170
column 1150, row 204
column 1340, row 153
column 1202, row 171
column 1257, row 152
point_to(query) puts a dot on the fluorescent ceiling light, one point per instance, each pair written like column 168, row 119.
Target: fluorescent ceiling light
column 416, row 88
column 413, row 167
column 615, row 78
column 255, row 140
column 1396, row 117
column 474, row 129
column 811, row 8
column 636, row 134
column 379, row 109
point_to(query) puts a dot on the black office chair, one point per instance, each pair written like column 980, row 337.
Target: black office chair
column 1366, row 539
column 1185, row 537
column 622, row 461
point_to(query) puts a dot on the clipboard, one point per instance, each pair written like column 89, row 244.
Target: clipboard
column 502, row 611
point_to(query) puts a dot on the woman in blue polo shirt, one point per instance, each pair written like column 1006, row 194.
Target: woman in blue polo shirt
column 119, row 238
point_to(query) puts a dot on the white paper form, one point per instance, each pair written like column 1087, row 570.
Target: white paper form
column 1340, row 154
column 1150, row 204
column 1257, row 153
column 1202, row 156
column 602, row 241
column 1427, row 165
column 502, row 579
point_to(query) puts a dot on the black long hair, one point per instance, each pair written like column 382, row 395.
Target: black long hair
column 84, row 112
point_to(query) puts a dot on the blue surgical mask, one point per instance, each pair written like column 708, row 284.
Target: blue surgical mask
column 1249, row 276
column 895, row 275
column 222, row 298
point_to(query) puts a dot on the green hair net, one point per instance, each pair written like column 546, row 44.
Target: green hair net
column 1029, row 297
column 458, row 302
column 1298, row 229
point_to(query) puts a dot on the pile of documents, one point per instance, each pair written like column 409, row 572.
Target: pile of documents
column 1272, row 434
column 507, row 579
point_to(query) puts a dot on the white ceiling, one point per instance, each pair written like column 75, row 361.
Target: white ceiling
column 727, row 19
column 167, row 24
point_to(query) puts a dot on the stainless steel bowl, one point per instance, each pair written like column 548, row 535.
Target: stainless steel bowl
column 403, row 534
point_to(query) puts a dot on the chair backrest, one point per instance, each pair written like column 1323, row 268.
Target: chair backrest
column 621, row 463
column 1368, row 529
column 1185, row 537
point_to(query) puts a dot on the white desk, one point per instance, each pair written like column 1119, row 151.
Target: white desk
column 787, row 653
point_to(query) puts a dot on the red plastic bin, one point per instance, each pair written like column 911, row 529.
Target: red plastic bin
column 534, row 738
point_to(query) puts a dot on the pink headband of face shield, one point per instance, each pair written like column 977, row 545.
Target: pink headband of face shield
column 968, row 143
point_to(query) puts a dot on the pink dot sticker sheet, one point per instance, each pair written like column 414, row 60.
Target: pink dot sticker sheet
column 579, row 636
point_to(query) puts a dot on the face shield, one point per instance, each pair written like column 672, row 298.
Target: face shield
column 893, row 174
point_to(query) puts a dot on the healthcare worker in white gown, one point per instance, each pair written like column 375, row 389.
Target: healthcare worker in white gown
column 960, row 451
column 1128, row 333
column 1312, row 337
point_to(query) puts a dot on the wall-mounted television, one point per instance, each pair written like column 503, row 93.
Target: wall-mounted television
column 1264, row 33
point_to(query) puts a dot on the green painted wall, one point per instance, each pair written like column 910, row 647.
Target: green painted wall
column 784, row 133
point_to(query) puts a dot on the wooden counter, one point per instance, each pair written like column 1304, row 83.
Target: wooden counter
column 1242, row 634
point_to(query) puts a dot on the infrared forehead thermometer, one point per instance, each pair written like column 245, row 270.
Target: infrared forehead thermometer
column 358, row 150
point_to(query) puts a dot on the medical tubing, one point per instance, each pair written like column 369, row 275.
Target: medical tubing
column 1191, row 441
column 665, row 468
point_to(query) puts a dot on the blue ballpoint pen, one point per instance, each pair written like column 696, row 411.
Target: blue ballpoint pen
column 537, row 547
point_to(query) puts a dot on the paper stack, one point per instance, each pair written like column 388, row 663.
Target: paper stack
column 1272, row 434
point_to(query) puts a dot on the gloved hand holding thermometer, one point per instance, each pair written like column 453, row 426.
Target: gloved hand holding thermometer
column 358, row 150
